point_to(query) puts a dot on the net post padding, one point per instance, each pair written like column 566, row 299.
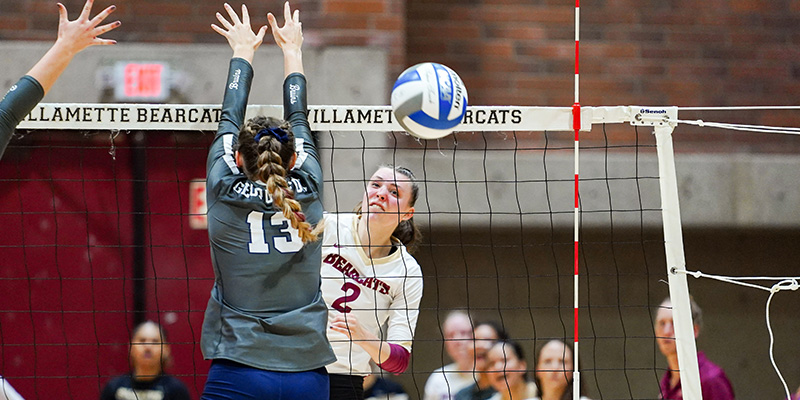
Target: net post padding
column 678, row 286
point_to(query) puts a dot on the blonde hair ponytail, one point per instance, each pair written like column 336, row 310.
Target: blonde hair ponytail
column 267, row 160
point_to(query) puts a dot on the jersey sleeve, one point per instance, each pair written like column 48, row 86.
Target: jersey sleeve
column 295, row 110
column 16, row 104
column 221, row 161
column 404, row 310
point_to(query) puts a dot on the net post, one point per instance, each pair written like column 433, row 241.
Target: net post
column 678, row 286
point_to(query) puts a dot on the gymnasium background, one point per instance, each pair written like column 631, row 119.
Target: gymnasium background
column 739, row 192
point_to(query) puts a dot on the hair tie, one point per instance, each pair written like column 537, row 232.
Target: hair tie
column 278, row 133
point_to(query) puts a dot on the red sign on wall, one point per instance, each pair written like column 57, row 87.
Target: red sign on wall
column 141, row 81
column 197, row 205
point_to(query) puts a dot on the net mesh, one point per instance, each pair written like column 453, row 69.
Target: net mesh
column 103, row 229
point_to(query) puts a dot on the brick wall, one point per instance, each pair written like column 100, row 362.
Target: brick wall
column 676, row 52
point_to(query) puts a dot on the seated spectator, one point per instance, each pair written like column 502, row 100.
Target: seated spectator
column 508, row 372
column 485, row 335
column 149, row 355
column 445, row 382
column 554, row 367
column 713, row 382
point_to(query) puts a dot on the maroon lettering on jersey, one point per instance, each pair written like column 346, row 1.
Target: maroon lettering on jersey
column 348, row 270
column 384, row 288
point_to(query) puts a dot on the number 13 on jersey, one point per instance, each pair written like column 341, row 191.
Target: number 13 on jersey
column 287, row 239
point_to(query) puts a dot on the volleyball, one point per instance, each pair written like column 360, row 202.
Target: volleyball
column 429, row 100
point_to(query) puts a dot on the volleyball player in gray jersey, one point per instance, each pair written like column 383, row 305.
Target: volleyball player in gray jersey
column 73, row 36
column 265, row 323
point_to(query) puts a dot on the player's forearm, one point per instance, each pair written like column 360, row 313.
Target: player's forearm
column 52, row 64
column 17, row 103
column 378, row 350
column 292, row 61
column 237, row 92
column 244, row 52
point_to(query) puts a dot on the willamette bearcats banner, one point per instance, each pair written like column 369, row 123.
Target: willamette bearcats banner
column 334, row 118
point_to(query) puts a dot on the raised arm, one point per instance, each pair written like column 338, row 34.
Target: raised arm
column 289, row 38
column 244, row 43
column 73, row 36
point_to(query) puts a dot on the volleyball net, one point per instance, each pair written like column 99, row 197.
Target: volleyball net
column 103, row 216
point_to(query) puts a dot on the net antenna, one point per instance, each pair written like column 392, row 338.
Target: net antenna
column 576, row 125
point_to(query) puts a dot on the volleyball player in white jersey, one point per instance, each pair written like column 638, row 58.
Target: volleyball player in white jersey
column 370, row 282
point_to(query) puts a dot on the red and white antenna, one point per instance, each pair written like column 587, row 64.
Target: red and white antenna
column 576, row 125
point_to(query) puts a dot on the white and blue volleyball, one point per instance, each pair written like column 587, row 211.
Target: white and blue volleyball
column 429, row 100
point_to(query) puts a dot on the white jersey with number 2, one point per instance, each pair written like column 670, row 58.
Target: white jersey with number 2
column 383, row 294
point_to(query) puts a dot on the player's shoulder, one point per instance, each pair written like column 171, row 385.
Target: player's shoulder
column 409, row 261
column 340, row 220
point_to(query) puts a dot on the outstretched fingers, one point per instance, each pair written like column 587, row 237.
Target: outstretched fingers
column 87, row 10
column 63, row 18
column 261, row 32
column 227, row 25
column 84, row 32
column 245, row 15
column 239, row 32
column 103, row 29
column 234, row 18
column 287, row 12
column 102, row 16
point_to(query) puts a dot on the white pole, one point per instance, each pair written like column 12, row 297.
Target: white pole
column 678, row 286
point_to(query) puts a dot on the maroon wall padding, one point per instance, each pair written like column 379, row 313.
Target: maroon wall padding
column 66, row 309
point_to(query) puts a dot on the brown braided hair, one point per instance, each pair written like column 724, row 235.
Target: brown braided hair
column 268, row 161
column 407, row 231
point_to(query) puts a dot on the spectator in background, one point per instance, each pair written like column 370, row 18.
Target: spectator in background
column 508, row 372
column 445, row 382
column 73, row 36
column 713, row 382
column 380, row 388
column 554, row 366
column 485, row 335
column 149, row 357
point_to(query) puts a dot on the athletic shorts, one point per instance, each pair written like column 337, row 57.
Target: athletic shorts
column 347, row 387
column 229, row 380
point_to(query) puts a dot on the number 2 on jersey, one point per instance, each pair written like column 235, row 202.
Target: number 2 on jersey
column 288, row 241
column 340, row 303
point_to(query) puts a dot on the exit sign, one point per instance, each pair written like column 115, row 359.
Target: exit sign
column 135, row 81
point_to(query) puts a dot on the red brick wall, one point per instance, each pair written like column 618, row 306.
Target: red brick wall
column 674, row 52
column 679, row 52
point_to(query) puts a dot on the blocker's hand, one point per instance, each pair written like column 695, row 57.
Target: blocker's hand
column 288, row 37
column 239, row 33
column 84, row 32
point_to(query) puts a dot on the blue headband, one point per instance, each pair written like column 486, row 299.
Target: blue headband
column 278, row 133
